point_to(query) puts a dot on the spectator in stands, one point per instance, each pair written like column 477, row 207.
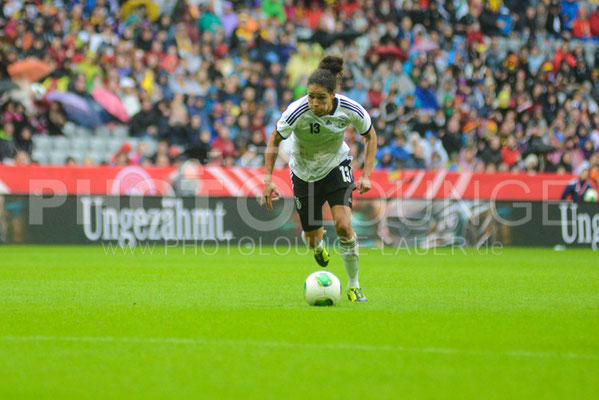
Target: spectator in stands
column 594, row 24
column 141, row 154
column 416, row 160
column 489, row 20
column 468, row 160
column 233, row 69
column 565, row 163
column 121, row 157
column 145, row 123
column 528, row 24
column 555, row 21
column 223, row 146
column 569, row 12
column 425, row 97
column 193, row 130
column 384, row 159
column 203, row 147
column 398, row 152
column 577, row 187
column 375, row 94
column 434, row 145
column 454, row 162
column 258, row 140
column 162, row 156
column 510, row 154
column 436, row 163
column 7, row 145
column 581, row 27
column 452, row 139
column 55, row 119
column 23, row 140
column 162, row 160
column 21, row 158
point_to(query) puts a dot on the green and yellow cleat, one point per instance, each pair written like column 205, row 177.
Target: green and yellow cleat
column 355, row 294
column 322, row 257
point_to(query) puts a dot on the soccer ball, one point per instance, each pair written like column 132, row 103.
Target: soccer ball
column 322, row 289
column 590, row 195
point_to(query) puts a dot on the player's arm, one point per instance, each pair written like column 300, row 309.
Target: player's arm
column 270, row 193
column 371, row 143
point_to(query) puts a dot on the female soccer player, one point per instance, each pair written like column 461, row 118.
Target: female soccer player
column 320, row 166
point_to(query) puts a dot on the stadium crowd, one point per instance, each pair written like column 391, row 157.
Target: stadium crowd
column 478, row 85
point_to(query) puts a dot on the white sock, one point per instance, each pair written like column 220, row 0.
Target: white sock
column 349, row 253
column 304, row 239
column 318, row 248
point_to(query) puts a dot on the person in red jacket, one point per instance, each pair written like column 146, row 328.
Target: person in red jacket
column 594, row 23
column 581, row 28
column 223, row 145
column 474, row 36
column 563, row 53
column 510, row 154
column 375, row 94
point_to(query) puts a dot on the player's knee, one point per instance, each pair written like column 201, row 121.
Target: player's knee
column 343, row 228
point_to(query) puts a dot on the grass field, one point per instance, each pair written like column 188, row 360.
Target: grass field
column 78, row 323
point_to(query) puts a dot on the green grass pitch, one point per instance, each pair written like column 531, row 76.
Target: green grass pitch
column 78, row 323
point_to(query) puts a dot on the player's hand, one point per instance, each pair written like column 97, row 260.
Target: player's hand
column 363, row 185
column 269, row 195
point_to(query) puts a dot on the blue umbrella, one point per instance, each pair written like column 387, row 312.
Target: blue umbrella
column 70, row 101
column 89, row 120
column 82, row 111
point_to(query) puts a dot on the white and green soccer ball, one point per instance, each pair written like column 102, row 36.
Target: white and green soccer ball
column 322, row 288
column 590, row 195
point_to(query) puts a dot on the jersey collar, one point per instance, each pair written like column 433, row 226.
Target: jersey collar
column 335, row 104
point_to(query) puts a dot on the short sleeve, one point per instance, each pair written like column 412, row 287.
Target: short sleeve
column 283, row 127
column 360, row 119
column 293, row 112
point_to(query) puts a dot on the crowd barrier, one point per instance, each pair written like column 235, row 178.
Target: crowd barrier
column 129, row 222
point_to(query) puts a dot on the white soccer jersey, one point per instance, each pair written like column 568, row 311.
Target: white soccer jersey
column 315, row 145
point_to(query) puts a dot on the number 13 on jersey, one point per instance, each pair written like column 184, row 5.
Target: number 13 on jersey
column 346, row 173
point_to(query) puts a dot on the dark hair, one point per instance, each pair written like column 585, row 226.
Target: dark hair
column 329, row 72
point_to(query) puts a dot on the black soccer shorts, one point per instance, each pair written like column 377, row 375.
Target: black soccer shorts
column 336, row 188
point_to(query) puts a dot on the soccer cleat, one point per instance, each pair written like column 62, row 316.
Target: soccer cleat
column 355, row 294
column 322, row 257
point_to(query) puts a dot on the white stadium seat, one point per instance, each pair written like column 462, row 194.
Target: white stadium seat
column 79, row 143
column 97, row 144
column 60, row 143
column 41, row 143
column 39, row 156
column 102, row 131
column 57, row 157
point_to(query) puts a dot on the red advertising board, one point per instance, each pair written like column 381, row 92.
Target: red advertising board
column 218, row 181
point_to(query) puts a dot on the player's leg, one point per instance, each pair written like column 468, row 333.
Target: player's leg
column 313, row 231
column 308, row 205
column 313, row 238
column 349, row 247
column 340, row 185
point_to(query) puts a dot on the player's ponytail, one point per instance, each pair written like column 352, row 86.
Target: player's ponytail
column 329, row 72
column 334, row 64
